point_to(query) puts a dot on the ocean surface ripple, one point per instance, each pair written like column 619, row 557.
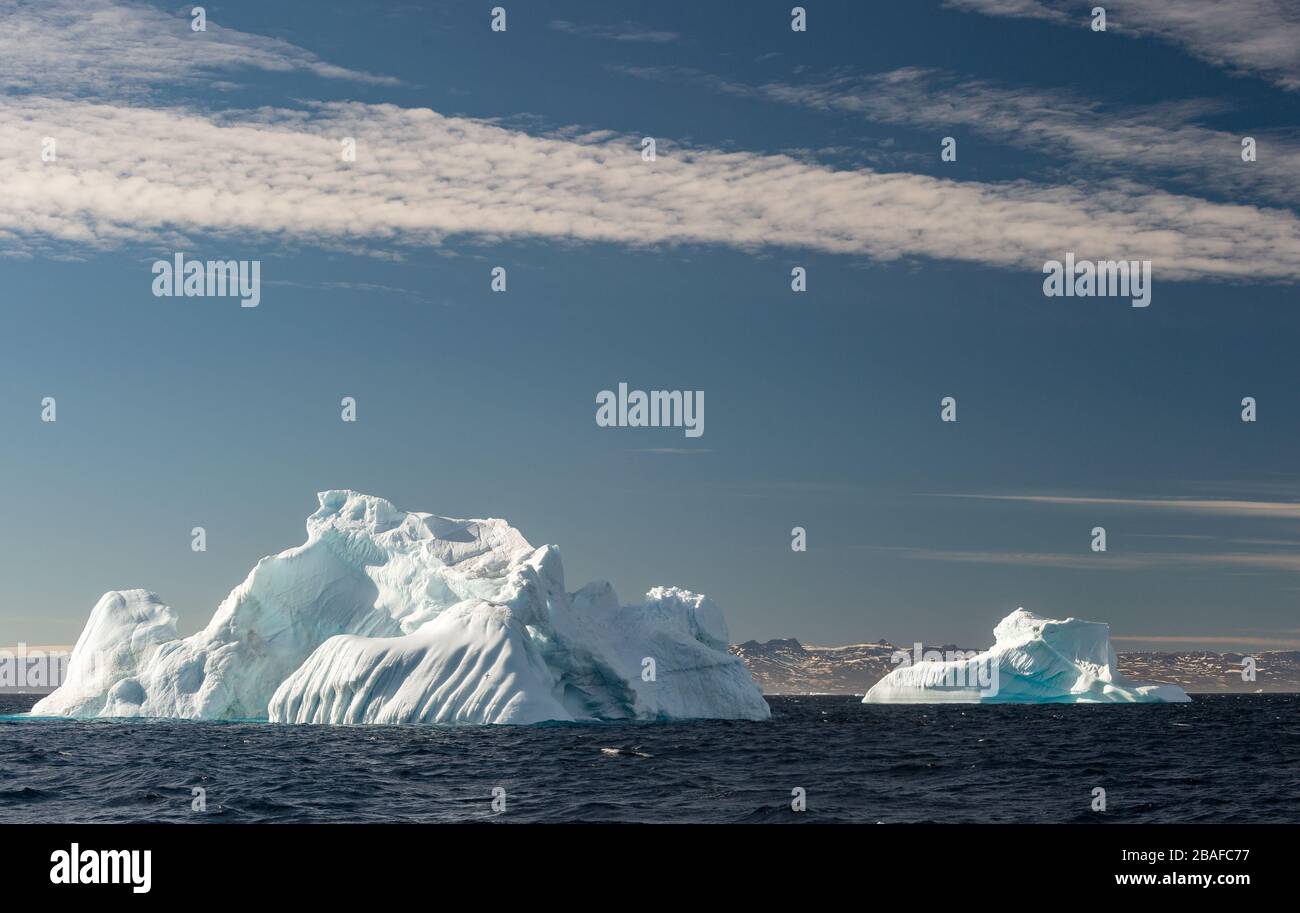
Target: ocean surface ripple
column 1221, row 758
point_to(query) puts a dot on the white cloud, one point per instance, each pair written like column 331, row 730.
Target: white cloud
column 131, row 173
column 128, row 173
column 1162, row 140
column 1260, row 37
column 60, row 46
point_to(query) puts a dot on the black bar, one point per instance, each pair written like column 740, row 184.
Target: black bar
column 655, row 863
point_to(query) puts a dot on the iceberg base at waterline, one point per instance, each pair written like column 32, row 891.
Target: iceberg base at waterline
column 1033, row 660
column 388, row 616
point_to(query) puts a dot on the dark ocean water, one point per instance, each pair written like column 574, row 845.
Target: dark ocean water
column 1218, row 759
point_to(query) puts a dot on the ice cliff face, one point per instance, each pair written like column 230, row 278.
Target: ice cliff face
column 385, row 616
column 1033, row 660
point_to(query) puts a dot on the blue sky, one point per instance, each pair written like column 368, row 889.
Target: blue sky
column 775, row 149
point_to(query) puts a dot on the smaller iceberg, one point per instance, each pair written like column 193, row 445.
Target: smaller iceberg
column 1034, row 660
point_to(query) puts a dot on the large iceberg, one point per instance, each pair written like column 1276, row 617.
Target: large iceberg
column 385, row 616
column 1033, row 660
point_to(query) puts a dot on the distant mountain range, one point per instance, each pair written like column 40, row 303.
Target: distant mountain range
column 790, row 667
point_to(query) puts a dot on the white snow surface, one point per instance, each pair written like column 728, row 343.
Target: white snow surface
column 385, row 616
column 1033, row 660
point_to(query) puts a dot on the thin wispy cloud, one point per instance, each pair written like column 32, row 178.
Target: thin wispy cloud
column 73, row 46
column 685, row 451
column 1227, row 554
column 625, row 31
column 1109, row 561
column 1284, row 510
column 1258, row 37
column 1233, row 540
column 1017, row 558
column 1240, row 642
column 1163, row 142
column 1020, row 9
column 363, row 287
